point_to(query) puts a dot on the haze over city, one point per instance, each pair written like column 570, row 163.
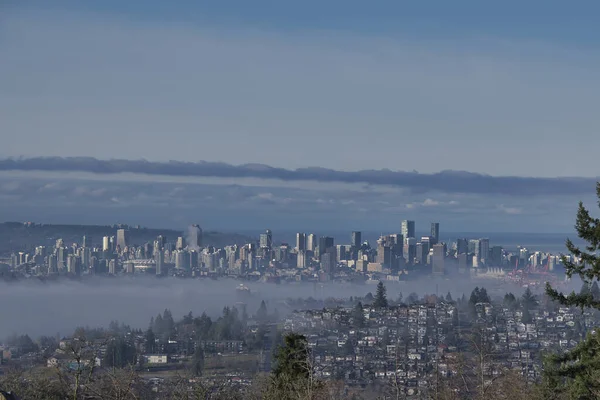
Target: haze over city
column 322, row 199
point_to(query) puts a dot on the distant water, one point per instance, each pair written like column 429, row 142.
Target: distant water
column 546, row 242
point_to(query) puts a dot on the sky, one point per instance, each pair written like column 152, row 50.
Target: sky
column 503, row 90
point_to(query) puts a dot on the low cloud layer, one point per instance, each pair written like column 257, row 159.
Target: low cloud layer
column 173, row 202
column 444, row 181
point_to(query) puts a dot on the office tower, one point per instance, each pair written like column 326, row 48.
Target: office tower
column 462, row 262
column 180, row 245
column 474, row 247
column 435, row 232
column 162, row 241
column 86, row 256
column 462, row 246
column 194, row 239
column 193, row 259
column 73, row 264
column 427, row 241
column 325, row 243
column 52, row 266
column 105, row 243
column 300, row 242
column 61, row 256
column 122, row 238
column 484, row 250
column 437, row 259
column 421, row 252
column 59, row 243
column 408, row 229
column 496, row 256
column 356, row 239
column 311, row 242
column 266, row 239
column 86, row 241
column 410, row 249
column 160, row 263
column 328, row 261
column 342, row 252
column 385, row 246
column 301, row 259
column 181, row 259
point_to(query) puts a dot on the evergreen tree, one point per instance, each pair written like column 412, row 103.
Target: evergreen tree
column 150, row 341
column 188, row 319
column 380, row 296
column 358, row 315
column 292, row 358
column 449, row 298
column 119, row 353
column 262, row 314
column 198, row 360
column 159, row 326
column 580, row 366
column 510, row 301
column 529, row 300
column 526, row 319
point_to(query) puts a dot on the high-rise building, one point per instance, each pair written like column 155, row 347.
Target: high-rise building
column 73, row 264
column 328, row 261
column 180, row 245
column 484, row 250
column 342, row 252
column 181, row 261
column 160, row 263
column 437, row 259
column 462, row 246
column 105, row 243
column 474, row 247
column 266, row 239
column 301, row 259
column 435, row 232
column 52, row 266
column 311, row 242
column 462, row 262
column 356, row 239
column 300, row 241
column 86, row 241
column 194, row 237
column 496, row 256
column 325, row 243
column 122, row 238
column 384, row 252
column 408, row 229
column 410, row 249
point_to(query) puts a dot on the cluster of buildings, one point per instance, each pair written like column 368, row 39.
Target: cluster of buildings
column 395, row 256
column 410, row 346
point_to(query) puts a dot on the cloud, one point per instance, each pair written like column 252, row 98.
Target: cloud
column 444, row 181
column 510, row 210
column 430, row 203
column 105, row 200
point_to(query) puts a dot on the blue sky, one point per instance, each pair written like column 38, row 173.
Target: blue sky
column 507, row 89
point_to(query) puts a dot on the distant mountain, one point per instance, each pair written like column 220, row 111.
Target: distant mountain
column 16, row 236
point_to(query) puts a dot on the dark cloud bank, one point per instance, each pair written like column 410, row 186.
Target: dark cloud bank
column 444, row 181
